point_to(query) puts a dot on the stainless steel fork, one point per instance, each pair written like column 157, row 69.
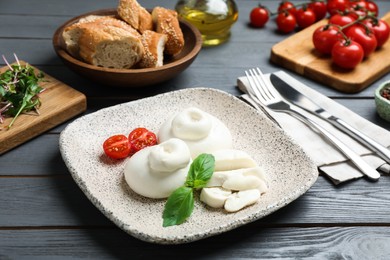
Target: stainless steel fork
column 266, row 95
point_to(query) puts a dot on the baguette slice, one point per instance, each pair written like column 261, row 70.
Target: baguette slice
column 166, row 22
column 72, row 33
column 135, row 15
column 110, row 47
column 154, row 44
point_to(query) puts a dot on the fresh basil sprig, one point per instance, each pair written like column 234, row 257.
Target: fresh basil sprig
column 19, row 91
column 180, row 203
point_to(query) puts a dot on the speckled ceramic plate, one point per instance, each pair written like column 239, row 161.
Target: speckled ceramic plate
column 290, row 171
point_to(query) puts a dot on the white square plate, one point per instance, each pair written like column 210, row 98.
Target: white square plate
column 290, row 171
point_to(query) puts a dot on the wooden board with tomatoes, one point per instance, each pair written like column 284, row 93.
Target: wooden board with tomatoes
column 59, row 103
column 297, row 53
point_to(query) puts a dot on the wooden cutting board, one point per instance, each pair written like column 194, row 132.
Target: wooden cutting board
column 297, row 53
column 59, row 103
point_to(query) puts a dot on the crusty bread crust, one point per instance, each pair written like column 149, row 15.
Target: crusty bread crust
column 154, row 44
column 71, row 34
column 110, row 47
column 145, row 20
column 129, row 10
column 166, row 22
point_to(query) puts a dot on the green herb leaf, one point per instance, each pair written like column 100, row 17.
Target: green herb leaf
column 19, row 91
column 179, row 206
column 201, row 170
column 180, row 203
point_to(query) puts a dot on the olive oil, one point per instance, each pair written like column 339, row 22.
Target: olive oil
column 213, row 18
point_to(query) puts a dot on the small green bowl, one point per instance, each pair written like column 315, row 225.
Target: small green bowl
column 382, row 104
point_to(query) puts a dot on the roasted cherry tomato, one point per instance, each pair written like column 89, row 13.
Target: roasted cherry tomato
column 140, row 138
column 335, row 6
column 259, row 16
column 381, row 30
column 287, row 6
column 286, row 22
column 364, row 37
column 305, row 17
column 347, row 54
column 325, row 37
column 117, row 147
column 319, row 8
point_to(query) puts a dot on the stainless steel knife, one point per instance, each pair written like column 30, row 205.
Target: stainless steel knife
column 287, row 91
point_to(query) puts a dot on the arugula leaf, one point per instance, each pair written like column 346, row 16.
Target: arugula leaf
column 180, row 203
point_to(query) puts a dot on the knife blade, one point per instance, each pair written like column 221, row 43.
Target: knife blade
column 286, row 89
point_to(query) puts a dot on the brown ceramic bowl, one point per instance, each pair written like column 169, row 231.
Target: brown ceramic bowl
column 173, row 65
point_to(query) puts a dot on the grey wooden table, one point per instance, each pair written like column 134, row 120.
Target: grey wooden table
column 44, row 215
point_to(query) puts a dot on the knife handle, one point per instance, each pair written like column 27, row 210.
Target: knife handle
column 380, row 150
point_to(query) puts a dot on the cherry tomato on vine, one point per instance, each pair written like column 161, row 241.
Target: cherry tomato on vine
column 117, row 147
column 259, row 16
column 325, row 37
column 287, row 6
column 335, row 6
column 305, row 17
column 364, row 37
column 347, row 54
column 140, row 138
column 381, row 30
column 362, row 4
column 372, row 7
column 286, row 22
column 319, row 8
column 341, row 20
column 358, row 8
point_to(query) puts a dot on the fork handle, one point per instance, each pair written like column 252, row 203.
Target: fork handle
column 355, row 158
column 380, row 150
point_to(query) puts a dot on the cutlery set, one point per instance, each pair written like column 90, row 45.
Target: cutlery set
column 280, row 96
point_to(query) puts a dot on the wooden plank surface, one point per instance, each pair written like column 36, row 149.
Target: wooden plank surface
column 44, row 215
column 297, row 53
column 59, row 103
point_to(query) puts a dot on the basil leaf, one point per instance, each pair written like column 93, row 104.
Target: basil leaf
column 179, row 206
column 201, row 170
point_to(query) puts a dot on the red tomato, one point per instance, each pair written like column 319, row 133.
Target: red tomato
column 319, row 8
column 287, row 6
column 380, row 29
column 117, row 147
column 286, row 22
column 325, row 37
column 362, row 4
column 340, row 19
column 305, row 17
column 372, row 7
column 334, row 6
column 358, row 8
column 259, row 16
column 347, row 54
column 140, row 138
column 364, row 37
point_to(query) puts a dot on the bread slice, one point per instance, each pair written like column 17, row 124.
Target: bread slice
column 110, row 47
column 166, row 22
column 135, row 15
column 154, row 44
column 72, row 33
column 145, row 20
